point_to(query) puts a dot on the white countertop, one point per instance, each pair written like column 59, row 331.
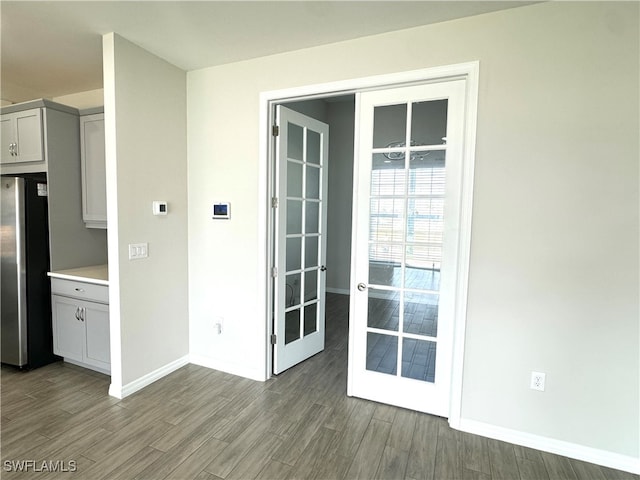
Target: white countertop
column 97, row 274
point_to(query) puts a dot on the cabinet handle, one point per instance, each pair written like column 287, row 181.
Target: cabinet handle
column 78, row 313
column 79, row 289
column 82, row 310
column 15, row 149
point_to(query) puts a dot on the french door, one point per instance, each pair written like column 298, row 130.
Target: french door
column 300, row 243
column 407, row 213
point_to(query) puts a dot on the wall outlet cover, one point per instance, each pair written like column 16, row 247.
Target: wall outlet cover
column 537, row 381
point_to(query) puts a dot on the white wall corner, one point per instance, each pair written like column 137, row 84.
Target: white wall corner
column 551, row 445
column 121, row 391
column 257, row 374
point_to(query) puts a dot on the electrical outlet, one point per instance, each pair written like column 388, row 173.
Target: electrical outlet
column 537, row 381
column 138, row 250
column 219, row 322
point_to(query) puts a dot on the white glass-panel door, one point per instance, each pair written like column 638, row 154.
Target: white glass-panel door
column 299, row 287
column 407, row 209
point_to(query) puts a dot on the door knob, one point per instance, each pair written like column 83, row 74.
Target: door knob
column 362, row 287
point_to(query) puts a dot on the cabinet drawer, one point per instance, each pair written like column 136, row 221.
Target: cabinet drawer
column 81, row 290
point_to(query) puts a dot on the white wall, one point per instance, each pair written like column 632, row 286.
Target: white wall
column 145, row 126
column 554, row 262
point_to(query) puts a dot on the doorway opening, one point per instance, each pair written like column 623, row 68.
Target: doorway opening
column 465, row 77
column 313, row 183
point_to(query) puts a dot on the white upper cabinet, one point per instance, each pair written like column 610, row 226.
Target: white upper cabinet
column 22, row 137
column 94, row 184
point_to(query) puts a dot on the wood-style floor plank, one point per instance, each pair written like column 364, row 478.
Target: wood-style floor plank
column 367, row 458
column 202, row 424
column 195, row 463
column 531, row 469
column 422, row 456
column 475, row 453
column 503, row 460
column 558, row 467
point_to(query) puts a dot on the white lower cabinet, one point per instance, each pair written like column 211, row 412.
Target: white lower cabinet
column 80, row 326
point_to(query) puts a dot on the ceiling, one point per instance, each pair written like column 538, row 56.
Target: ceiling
column 54, row 48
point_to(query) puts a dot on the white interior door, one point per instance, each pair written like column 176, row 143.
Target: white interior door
column 404, row 260
column 300, row 244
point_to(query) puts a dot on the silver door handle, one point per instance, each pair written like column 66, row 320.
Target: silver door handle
column 362, row 287
column 78, row 313
column 323, row 268
column 82, row 310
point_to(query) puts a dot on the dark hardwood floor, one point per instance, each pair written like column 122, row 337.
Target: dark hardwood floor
column 203, row 424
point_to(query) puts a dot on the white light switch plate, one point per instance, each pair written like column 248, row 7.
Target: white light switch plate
column 138, row 250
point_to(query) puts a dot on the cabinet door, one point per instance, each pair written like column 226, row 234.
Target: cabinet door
column 94, row 178
column 6, row 138
column 28, row 136
column 68, row 329
column 97, row 334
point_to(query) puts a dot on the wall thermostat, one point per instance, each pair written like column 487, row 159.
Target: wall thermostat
column 222, row 210
column 159, row 207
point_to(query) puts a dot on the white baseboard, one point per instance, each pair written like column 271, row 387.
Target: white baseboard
column 231, row 368
column 341, row 291
column 559, row 447
column 147, row 379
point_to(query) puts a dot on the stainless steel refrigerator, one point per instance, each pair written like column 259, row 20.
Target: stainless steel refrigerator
column 25, row 326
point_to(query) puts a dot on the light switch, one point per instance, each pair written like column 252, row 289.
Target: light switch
column 138, row 250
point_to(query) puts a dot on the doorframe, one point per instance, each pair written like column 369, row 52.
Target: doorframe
column 469, row 71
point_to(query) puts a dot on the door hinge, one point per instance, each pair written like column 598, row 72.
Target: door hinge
column 273, row 339
column 274, row 272
column 275, row 130
column 274, row 202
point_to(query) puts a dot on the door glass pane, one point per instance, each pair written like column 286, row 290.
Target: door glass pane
column 292, row 326
column 313, row 147
column 389, row 125
column 429, row 122
column 382, row 353
column 383, row 309
column 311, row 285
column 387, row 175
column 312, row 221
column 311, row 252
column 294, row 253
column 425, row 220
column 313, row 183
column 422, row 257
column 427, row 173
column 419, row 359
column 295, row 141
column 310, row 319
column 292, row 290
column 384, row 264
column 294, row 216
column 420, row 314
column 386, row 219
column 422, row 278
column 294, row 179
